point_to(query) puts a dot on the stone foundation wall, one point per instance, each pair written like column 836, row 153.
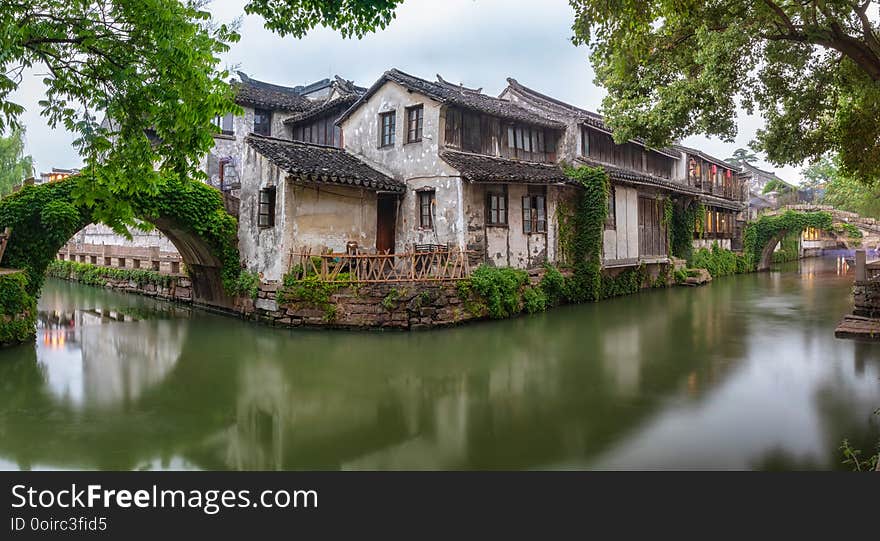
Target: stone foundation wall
column 405, row 306
column 866, row 298
column 180, row 289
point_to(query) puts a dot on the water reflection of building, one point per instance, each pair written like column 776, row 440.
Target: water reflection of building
column 102, row 357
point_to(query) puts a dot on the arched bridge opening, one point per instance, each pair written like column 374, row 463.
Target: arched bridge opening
column 43, row 218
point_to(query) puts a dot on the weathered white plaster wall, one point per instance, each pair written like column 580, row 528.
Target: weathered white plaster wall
column 263, row 249
column 328, row 217
column 417, row 164
column 307, row 217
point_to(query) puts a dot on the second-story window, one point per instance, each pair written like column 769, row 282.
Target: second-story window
column 224, row 124
column 414, row 117
column 387, row 125
column 426, row 209
column 496, row 206
column 262, row 122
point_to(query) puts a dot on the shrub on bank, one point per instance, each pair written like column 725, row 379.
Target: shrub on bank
column 95, row 275
column 720, row 261
column 18, row 309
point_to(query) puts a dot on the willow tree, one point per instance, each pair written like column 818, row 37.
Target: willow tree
column 674, row 68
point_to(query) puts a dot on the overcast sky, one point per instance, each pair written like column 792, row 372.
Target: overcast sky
column 478, row 43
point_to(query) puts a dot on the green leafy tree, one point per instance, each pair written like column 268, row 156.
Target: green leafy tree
column 350, row 17
column 149, row 65
column 742, row 156
column 676, row 68
column 819, row 172
column 14, row 165
column 843, row 191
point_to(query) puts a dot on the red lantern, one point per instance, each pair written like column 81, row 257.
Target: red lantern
column 714, row 169
column 729, row 173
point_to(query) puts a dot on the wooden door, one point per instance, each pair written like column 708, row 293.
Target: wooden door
column 652, row 232
column 386, row 218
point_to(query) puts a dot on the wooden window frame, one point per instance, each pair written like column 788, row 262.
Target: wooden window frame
column 390, row 139
column 497, row 203
column 267, row 114
column 266, row 207
column 611, row 218
column 427, row 202
column 220, row 120
column 415, row 124
column 534, row 211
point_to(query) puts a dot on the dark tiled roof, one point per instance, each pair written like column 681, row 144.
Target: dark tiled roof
column 583, row 116
column 265, row 95
column 341, row 103
column 457, row 95
column 720, row 202
column 479, row 168
column 318, row 163
column 707, row 157
column 626, row 176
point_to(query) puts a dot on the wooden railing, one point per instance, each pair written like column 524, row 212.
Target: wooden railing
column 435, row 265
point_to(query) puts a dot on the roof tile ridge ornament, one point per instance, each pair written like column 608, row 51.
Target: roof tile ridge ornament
column 460, row 86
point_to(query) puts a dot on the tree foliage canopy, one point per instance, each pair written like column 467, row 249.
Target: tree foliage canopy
column 149, row 65
column 352, row 18
column 674, row 68
column 843, row 191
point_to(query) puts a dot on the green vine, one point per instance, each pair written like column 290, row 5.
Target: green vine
column 684, row 222
column 18, row 309
column 720, row 261
column 312, row 292
column 588, row 222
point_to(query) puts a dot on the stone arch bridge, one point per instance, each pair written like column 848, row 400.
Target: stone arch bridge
column 42, row 218
column 869, row 228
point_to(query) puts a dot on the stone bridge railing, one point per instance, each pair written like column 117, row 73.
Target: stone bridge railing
column 868, row 224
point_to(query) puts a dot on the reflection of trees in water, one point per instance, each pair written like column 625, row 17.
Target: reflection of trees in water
column 557, row 387
column 513, row 394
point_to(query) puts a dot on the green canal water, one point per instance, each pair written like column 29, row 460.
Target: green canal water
column 742, row 374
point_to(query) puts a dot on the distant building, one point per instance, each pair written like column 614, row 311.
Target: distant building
column 56, row 175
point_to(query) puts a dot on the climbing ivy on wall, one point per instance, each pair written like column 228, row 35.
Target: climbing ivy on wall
column 588, row 221
column 760, row 232
column 43, row 218
column 685, row 214
column 18, row 309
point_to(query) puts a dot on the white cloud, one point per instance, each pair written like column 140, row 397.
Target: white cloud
column 475, row 42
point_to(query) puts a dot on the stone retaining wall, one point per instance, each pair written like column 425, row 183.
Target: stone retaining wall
column 406, row 306
column 866, row 298
column 180, row 289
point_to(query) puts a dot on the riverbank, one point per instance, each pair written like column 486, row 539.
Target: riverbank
column 18, row 310
column 490, row 293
